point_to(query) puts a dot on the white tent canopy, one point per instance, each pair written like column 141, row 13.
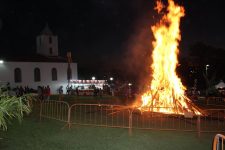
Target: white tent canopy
column 220, row 85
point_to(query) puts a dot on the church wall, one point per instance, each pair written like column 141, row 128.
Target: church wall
column 27, row 69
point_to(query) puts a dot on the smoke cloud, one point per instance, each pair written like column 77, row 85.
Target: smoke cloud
column 137, row 59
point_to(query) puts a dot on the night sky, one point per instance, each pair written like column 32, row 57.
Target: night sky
column 102, row 33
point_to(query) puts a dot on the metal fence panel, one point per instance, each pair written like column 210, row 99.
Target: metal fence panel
column 126, row 117
column 100, row 115
column 57, row 110
column 159, row 121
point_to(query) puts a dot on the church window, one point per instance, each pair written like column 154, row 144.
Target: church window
column 17, row 75
column 37, row 75
column 54, row 74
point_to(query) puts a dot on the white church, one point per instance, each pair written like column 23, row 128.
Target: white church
column 45, row 68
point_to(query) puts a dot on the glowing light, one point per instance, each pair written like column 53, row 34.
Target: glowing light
column 166, row 93
column 1, row 61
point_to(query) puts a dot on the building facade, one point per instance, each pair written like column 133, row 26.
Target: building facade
column 45, row 68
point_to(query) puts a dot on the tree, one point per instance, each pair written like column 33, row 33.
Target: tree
column 202, row 55
column 210, row 84
column 12, row 107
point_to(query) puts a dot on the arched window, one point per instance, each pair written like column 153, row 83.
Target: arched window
column 54, row 74
column 17, row 75
column 37, row 75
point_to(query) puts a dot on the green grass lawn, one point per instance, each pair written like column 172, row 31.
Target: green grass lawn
column 49, row 135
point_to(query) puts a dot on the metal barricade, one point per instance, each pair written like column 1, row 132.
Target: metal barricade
column 100, row 115
column 127, row 117
column 160, row 121
column 215, row 101
column 218, row 142
column 57, row 110
column 213, row 121
column 35, row 105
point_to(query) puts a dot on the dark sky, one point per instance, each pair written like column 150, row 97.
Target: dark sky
column 103, row 31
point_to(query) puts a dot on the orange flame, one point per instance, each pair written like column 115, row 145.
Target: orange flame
column 167, row 94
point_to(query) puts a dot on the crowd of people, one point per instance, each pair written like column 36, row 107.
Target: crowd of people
column 44, row 92
column 20, row 91
column 91, row 90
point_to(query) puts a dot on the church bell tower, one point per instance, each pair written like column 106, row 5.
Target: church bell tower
column 47, row 43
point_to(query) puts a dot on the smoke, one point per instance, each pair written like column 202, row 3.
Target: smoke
column 137, row 59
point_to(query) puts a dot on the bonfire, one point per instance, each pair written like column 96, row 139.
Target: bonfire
column 167, row 93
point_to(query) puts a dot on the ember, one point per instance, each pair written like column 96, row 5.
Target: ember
column 167, row 93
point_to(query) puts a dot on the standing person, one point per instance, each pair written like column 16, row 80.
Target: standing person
column 21, row 91
column 100, row 95
column 39, row 92
column 8, row 87
column 100, row 92
column 77, row 91
column 44, row 93
column 60, row 93
column 48, row 92
column 70, row 90
column 67, row 89
column 112, row 91
column 61, row 90
column 17, row 91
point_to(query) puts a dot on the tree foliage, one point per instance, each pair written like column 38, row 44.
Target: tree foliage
column 12, row 107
